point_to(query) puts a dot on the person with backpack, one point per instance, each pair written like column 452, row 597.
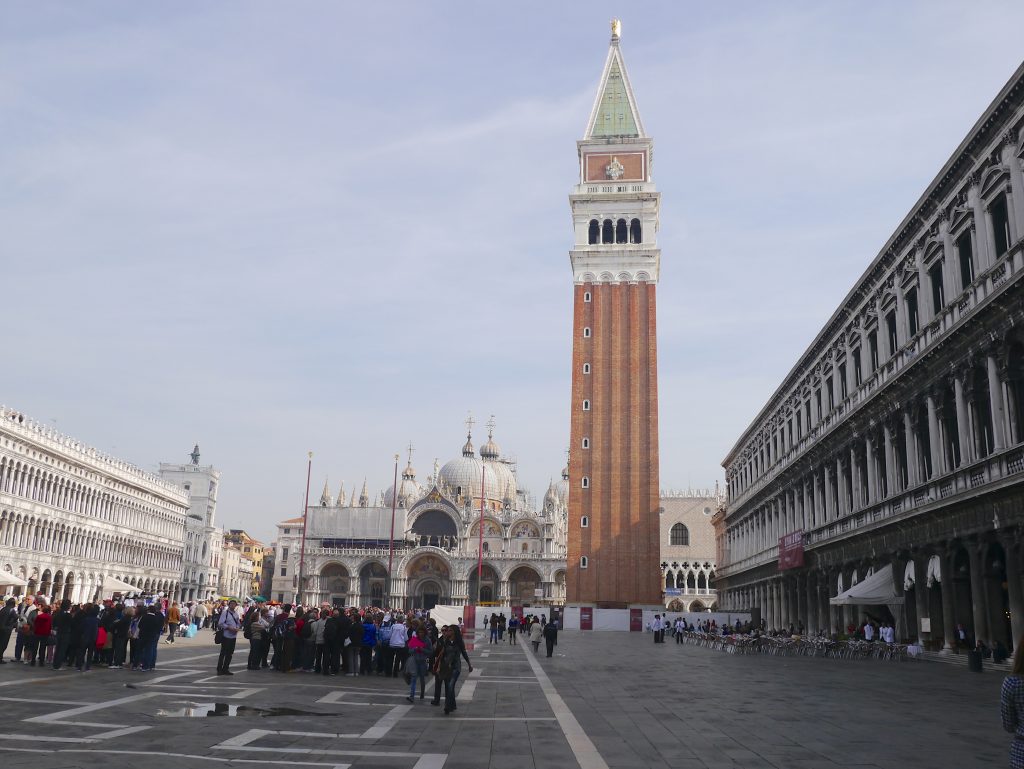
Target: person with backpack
column 368, row 645
column 420, row 651
column 513, row 626
column 321, row 654
column 229, row 624
column 384, row 653
column 257, row 629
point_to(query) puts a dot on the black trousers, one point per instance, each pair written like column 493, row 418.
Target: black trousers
column 401, row 654
column 5, row 638
column 550, row 645
column 227, row 648
column 255, row 652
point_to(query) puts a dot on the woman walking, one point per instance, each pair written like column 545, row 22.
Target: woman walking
column 451, row 665
column 536, row 633
column 420, row 650
column 1011, row 707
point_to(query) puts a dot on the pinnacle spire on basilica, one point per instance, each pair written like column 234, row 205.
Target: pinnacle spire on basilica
column 340, row 499
column 615, row 114
column 364, row 496
column 325, row 497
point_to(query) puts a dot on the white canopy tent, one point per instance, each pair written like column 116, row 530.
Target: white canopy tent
column 6, row 578
column 113, row 585
column 877, row 589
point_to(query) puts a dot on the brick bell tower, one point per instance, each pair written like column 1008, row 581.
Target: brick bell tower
column 614, row 526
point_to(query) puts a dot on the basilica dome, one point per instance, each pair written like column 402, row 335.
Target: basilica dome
column 467, row 472
column 408, row 489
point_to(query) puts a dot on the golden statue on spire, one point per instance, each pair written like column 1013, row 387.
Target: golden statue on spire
column 616, row 28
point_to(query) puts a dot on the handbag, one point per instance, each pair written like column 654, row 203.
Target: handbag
column 218, row 636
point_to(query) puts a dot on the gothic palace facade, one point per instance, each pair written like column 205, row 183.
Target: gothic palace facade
column 897, row 440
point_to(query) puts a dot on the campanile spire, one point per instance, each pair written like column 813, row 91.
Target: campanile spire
column 614, row 526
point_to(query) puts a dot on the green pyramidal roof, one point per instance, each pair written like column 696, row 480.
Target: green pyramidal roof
column 614, row 113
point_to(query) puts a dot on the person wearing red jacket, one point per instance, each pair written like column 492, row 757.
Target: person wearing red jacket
column 41, row 627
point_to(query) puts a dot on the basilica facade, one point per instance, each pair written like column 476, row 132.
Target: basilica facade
column 434, row 536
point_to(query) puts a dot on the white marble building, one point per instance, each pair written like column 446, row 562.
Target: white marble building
column 436, row 542
column 204, row 540
column 73, row 519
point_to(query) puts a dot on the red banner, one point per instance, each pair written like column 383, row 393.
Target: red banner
column 586, row 618
column 791, row 550
column 636, row 620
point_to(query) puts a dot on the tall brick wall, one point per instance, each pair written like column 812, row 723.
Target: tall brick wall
column 622, row 542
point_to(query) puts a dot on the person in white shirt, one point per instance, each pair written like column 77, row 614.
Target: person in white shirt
column 228, row 624
column 396, row 645
column 680, row 626
column 869, row 631
column 659, row 629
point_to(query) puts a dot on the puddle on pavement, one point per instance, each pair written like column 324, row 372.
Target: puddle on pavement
column 229, row 710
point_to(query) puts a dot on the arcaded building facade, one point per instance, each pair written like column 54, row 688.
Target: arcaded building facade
column 688, row 557
column 896, row 442
column 73, row 519
column 613, row 468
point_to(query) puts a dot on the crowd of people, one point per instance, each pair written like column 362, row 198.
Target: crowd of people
column 325, row 640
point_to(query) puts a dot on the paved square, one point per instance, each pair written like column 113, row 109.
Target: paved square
column 604, row 700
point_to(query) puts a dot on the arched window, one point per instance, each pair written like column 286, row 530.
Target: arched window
column 586, row 482
column 702, row 582
column 620, row 231
column 586, row 368
column 583, row 561
column 586, row 405
column 595, row 232
column 608, row 232
column 586, row 443
column 487, row 547
column 586, row 296
column 669, row 582
column 586, row 332
column 635, row 234
column 585, row 522
column 680, row 535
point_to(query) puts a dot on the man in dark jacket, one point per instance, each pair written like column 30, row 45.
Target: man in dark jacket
column 151, row 627
column 8, row 624
column 338, row 646
column 62, row 629
column 329, row 665
column 551, row 635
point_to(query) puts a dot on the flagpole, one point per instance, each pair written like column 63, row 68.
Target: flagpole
column 391, row 542
column 480, row 549
column 302, row 550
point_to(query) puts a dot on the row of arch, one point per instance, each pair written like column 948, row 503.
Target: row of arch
column 49, row 488
column 610, row 231
column 696, row 605
column 57, row 584
column 37, row 534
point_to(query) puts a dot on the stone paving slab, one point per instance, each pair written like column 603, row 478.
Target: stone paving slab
column 638, row 704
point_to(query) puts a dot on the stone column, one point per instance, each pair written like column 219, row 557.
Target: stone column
column 816, row 513
column 908, row 427
column 840, row 489
column 1013, row 589
column 995, row 394
column 812, row 604
column 979, row 229
column 962, row 425
column 826, row 494
column 978, row 597
column 890, row 460
column 855, row 498
column 869, row 451
column 934, row 437
column 921, row 594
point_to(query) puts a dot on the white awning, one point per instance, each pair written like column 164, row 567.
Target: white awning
column 6, row 578
column 873, row 590
column 113, row 585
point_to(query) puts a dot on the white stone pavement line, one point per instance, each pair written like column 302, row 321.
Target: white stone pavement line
column 177, row 660
column 171, row 677
column 63, row 718
column 341, row 698
column 243, row 740
column 42, row 702
column 383, row 726
column 148, row 754
column 583, row 749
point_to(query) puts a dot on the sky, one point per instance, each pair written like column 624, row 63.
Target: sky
column 278, row 228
